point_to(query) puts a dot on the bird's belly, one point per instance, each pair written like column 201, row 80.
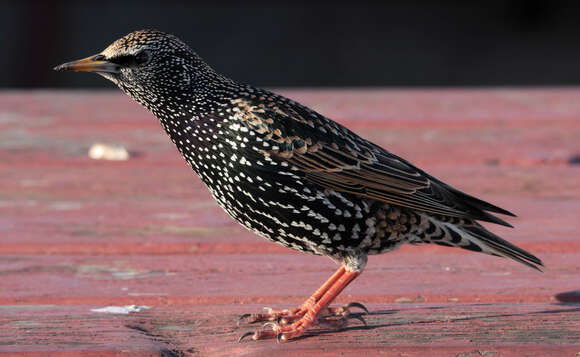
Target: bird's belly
column 308, row 218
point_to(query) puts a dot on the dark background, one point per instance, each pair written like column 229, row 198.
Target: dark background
column 315, row 43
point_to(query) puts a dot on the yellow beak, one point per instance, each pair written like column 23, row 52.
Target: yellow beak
column 96, row 63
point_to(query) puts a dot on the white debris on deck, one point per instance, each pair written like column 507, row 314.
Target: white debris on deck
column 101, row 151
column 121, row 309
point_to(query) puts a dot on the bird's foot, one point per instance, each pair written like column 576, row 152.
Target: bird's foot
column 282, row 317
column 287, row 316
column 337, row 317
column 289, row 324
column 281, row 332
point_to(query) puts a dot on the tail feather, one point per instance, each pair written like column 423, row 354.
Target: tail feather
column 472, row 236
column 502, row 246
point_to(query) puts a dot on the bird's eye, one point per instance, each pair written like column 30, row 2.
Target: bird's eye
column 128, row 60
column 142, row 57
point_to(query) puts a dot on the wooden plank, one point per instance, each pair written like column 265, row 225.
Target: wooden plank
column 78, row 234
column 210, row 329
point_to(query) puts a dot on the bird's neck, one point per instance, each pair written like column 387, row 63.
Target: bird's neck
column 188, row 99
column 187, row 115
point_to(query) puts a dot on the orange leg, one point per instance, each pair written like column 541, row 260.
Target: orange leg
column 289, row 315
column 310, row 311
column 325, row 287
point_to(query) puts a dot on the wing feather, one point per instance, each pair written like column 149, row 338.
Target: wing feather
column 334, row 157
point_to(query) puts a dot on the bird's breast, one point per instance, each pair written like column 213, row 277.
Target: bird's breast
column 271, row 197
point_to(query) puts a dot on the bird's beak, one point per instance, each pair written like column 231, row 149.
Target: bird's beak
column 96, row 63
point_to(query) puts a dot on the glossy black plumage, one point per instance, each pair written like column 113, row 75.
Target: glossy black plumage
column 290, row 174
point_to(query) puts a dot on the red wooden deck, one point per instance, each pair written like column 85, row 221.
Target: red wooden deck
column 78, row 234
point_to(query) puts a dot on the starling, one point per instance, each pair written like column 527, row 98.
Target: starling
column 293, row 176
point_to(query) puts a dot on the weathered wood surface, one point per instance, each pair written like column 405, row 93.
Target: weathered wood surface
column 78, row 234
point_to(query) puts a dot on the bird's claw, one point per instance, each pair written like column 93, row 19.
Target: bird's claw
column 268, row 315
column 339, row 322
column 242, row 317
column 344, row 310
column 282, row 317
column 282, row 333
column 356, row 304
column 337, row 317
column 246, row 335
column 289, row 324
column 263, row 333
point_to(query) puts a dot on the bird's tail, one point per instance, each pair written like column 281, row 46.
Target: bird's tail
column 472, row 236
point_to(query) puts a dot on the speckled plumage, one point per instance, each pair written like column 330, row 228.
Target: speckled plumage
column 288, row 173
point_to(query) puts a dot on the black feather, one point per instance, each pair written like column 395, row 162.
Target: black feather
column 503, row 247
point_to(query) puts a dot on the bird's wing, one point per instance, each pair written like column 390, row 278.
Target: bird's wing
column 333, row 157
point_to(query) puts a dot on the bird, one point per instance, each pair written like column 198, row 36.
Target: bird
column 293, row 176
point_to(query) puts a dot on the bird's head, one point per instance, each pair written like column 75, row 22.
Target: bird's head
column 148, row 65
